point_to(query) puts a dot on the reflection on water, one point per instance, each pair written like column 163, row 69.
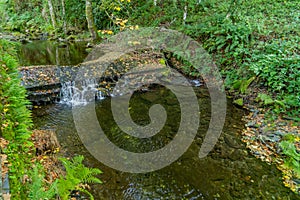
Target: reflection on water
column 229, row 172
column 51, row 53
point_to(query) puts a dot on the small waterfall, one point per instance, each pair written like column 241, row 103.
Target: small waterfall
column 80, row 92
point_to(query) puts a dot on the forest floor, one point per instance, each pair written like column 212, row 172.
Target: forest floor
column 264, row 136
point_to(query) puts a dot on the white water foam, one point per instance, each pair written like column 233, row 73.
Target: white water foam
column 80, row 93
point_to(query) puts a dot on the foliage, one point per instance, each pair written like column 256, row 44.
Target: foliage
column 34, row 17
column 239, row 102
column 265, row 99
column 77, row 174
column 75, row 14
column 23, row 16
column 37, row 189
column 15, row 119
column 292, row 159
column 278, row 66
column 2, row 12
column 242, row 85
column 249, row 38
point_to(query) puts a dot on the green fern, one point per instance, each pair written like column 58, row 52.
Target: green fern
column 37, row 189
column 15, row 119
column 76, row 174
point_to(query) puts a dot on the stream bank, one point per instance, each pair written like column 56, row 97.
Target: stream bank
column 265, row 138
column 270, row 137
column 228, row 153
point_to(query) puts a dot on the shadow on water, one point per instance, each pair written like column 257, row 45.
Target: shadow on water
column 51, row 53
column 228, row 172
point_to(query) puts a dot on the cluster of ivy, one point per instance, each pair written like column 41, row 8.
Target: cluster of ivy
column 15, row 120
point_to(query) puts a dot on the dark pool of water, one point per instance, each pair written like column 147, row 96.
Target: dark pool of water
column 51, row 53
column 228, row 172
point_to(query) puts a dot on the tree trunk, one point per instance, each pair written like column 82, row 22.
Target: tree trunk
column 52, row 14
column 57, row 60
column 185, row 13
column 64, row 16
column 90, row 19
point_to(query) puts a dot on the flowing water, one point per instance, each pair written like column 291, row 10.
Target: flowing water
column 73, row 94
column 228, row 172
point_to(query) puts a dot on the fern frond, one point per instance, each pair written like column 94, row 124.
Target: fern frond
column 76, row 174
column 37, row 189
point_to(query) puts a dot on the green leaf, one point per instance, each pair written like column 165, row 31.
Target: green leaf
column 266, row 99
column 245, row 84
column 239, row 102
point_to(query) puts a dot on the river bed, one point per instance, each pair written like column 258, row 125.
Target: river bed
column 228, row 172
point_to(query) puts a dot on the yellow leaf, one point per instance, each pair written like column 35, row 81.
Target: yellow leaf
column 109, row 32
column 136, row 43
column 117, row 8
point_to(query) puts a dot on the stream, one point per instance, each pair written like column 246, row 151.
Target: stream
column 51, row 53
column 228, row 172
